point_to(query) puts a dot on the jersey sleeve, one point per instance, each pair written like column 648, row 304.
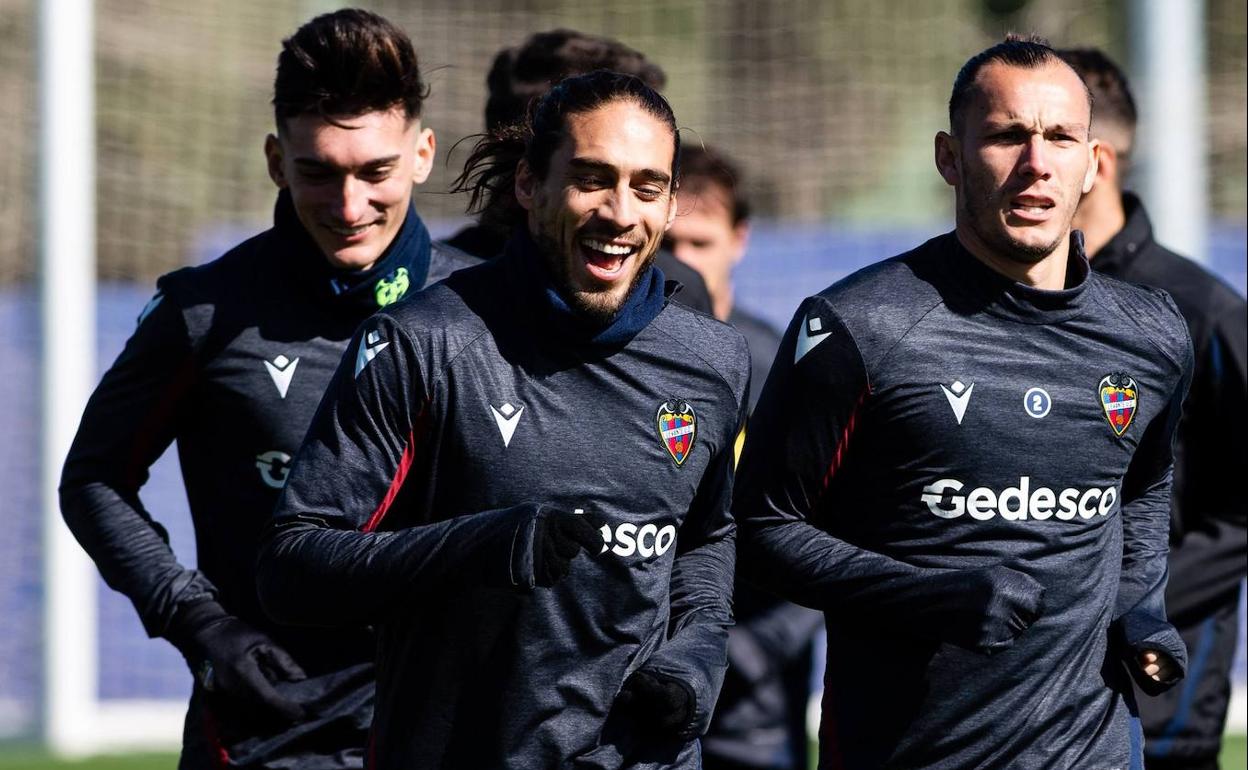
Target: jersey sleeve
column 695, row 653
column 330, row 555
column 1140, row 617
column 129, row 421
column 799, row 435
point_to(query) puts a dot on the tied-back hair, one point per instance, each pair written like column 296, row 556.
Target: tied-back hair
column 1023, row 51
column 489, row 174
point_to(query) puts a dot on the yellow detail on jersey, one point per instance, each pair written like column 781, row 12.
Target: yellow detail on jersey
column 736, row 447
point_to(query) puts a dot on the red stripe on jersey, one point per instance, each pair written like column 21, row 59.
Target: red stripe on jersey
column 829, row 741
column 220, row 758
column 419, row 428
column 843, row 444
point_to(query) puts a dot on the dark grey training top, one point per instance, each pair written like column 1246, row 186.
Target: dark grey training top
column 928, row 413
column 455, row 418
column 230, row 361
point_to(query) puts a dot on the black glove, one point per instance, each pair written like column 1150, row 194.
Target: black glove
column 985, row 609
column 659, row 704
column 558, row 537
column 235, row 662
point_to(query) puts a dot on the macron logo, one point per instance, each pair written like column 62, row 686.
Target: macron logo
column 811, row 335
column 281, row 369
column 369, row 348
column 959, row 396
column 507, row 417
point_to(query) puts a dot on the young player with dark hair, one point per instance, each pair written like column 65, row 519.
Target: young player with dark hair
column 230, row 360
column 521, row 75
column 963, row 455
column 481, row 435
column 1208, row 539
column 760, row 720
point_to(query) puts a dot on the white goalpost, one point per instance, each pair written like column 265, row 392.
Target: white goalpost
column 75, row 721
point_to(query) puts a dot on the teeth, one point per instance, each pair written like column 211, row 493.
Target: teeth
column 608, row 248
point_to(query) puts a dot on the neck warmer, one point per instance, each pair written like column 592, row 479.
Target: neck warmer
column 402, row 268
column 528, row 269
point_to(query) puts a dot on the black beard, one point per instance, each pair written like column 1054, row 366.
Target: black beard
column 1000, row 243
column 594, row 306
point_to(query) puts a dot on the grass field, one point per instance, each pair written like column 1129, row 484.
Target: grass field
column 1234, row 757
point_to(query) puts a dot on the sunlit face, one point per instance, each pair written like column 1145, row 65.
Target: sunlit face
column 1022, row 161
column 351, row 183
column 704, row 236
column 599, row 214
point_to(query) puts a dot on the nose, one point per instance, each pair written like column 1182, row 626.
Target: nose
column 619, row 208
column 1035, row 161
column 349, row 201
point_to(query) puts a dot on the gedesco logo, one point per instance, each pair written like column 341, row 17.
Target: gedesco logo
column 945, row 499
column 647, row 540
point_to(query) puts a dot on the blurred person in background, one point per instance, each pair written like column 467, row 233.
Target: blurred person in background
column 522, row 475
column 760, row 720
column 520, row 75
column 230, row 360
column 1209, row 519
column 963, row 455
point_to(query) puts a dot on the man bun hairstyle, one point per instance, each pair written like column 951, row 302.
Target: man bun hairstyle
column 489, row 174
column 521, row 74
column 347, row 63
column 1024, row 51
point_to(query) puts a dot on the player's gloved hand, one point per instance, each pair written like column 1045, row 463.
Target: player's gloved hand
column 989, row 608
column 661, row 705
column 231, row 659
column 558, row 537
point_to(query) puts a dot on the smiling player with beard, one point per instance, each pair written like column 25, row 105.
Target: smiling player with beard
column 478, row 437
column 963, row 456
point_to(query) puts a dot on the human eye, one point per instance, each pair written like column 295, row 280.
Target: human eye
column 377, row 174
column 315, row 174
column 1008, row 136
column 589, row 181
column 650, row 192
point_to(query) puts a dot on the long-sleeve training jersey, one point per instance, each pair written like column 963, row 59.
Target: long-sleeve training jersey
column 926, row 413
column 230, row 360
column 456, row 417
column 1209, row 521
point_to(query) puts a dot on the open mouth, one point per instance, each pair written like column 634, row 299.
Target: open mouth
column 1032, row 208
column 605, row 260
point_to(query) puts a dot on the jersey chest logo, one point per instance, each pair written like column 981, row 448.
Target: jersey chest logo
column 678, row 428
column 1120, row 399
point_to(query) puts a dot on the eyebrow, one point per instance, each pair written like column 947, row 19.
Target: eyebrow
column 1008, row 124
column 313, row 163
column 649, row 174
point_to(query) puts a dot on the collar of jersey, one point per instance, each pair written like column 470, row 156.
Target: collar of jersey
column 991, row 292
column 528, row 270
column 354, row 290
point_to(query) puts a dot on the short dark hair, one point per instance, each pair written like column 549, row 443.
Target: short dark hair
column 490, row 172
column 349, row 62
column 702, row 166
column 1025, row 51
column 1115, row 106
column 525, row 72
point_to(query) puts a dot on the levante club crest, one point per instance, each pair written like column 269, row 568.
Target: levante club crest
column 1120, row 400
column 678, row 427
